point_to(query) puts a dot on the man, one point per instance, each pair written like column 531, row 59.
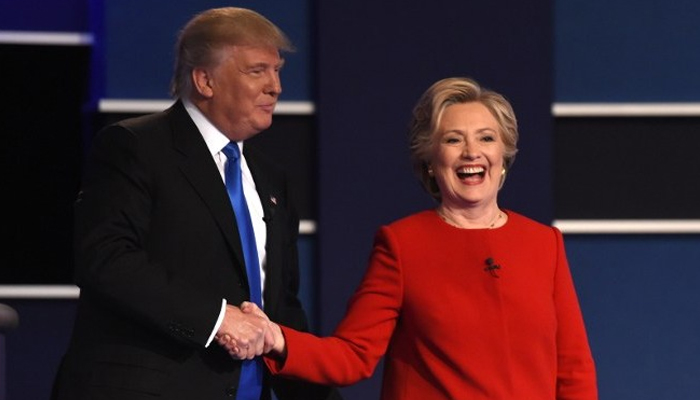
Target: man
column 161, row 253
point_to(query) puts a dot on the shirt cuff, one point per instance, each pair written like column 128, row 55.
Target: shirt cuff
column 218, row 322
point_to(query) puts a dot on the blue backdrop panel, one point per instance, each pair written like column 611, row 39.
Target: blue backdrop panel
column 308, row 273
column 35, row 348
column 139, row 37
column 627, row 51
column 44, row 16
column 639, row 295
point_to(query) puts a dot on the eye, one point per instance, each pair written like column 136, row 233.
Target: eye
column 452, row 139
column 257, row 69
column 488, row 135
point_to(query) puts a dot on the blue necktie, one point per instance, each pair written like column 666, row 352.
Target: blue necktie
column 250, row 384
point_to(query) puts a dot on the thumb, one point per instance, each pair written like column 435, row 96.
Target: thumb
column 248, row 307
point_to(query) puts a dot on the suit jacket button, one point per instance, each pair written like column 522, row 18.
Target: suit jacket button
column 231, row 391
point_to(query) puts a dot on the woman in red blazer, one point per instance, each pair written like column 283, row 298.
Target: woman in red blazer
column 468, row 300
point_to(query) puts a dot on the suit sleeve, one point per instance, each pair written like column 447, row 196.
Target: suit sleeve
column 576, row 375
column 361, row 339
column 112, row 233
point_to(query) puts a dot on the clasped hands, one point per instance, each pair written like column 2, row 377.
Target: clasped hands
column 247, row 332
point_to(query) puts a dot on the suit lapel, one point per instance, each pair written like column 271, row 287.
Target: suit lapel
column 201, row 172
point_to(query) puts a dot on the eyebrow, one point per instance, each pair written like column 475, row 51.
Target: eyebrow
column 480, row 130
column 263, row 64
column 494, row 130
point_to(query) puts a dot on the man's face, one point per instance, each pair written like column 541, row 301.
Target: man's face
column 245, row 87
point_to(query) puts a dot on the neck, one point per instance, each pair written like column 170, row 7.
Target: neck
column 472, row 219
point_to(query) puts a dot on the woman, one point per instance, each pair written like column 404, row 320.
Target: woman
column 467, row 301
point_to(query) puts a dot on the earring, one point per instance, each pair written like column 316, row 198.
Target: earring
column 430, row 171
column 503, row 179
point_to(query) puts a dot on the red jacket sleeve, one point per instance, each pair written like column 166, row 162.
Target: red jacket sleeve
column 361, row 339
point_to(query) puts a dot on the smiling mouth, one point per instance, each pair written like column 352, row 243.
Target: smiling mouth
column 469, row 172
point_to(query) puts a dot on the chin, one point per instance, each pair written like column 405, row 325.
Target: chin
column 262, row 125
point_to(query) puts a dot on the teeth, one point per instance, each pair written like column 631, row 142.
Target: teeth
column 471, row 170
column 466, row 172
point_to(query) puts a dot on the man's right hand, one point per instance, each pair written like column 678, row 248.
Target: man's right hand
column 245, row 335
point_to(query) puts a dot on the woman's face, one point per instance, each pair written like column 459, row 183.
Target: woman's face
column 468, row 159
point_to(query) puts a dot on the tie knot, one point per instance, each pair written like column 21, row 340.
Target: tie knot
column 231, row 150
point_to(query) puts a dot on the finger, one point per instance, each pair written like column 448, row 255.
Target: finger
column 229, row 346
column 243, row 346
column 235, row 351
column 244, row 353
column 239, row 352
column 222, row 340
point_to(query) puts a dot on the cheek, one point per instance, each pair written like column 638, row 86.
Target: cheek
column 445, row 157
column 446, row 180
column 497, row 159
column 443, row 169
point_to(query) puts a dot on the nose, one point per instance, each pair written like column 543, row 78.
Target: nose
column 470, row 150
column 274, row 84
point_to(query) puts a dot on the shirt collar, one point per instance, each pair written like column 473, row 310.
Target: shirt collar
column 212, row 136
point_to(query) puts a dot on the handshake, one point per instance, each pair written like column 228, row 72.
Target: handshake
column 247, row 332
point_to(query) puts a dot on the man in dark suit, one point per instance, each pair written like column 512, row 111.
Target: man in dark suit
column 159, row 257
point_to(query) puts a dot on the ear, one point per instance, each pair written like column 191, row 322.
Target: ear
column 202, row 81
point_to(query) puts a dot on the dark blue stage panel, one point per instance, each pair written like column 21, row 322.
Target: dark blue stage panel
column 627, row 51
column 44, row 15
column 639, row 296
